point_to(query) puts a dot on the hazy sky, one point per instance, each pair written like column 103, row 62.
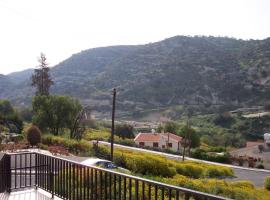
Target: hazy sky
column 60, row 28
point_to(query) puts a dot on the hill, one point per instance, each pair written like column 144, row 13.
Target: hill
column 175, row 71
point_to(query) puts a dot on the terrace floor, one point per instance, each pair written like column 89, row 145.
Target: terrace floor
column 30, row 194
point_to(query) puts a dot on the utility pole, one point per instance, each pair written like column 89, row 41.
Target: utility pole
column 185, row 140
column 187, row 135
column 113, row 116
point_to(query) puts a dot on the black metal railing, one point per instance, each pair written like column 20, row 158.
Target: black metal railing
column 5, row 173
column 71, row 180
column 23, row 170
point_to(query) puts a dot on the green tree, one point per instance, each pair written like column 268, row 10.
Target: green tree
column 82, row 119
column 55, row 112
column 41, row 78
column 6, row 108
column 191, row 135
column 9, row 117
column 26, row 114
column 191, row 138
column 171, row 127
column 124, row 131
column 160, row 128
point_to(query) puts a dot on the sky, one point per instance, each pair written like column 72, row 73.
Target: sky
column 60, row 28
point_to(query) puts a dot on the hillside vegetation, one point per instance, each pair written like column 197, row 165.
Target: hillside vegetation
column 178, row 70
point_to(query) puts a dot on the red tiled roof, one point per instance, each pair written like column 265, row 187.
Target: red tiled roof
column 155, row 137
column 145, row 137
column 173, row 136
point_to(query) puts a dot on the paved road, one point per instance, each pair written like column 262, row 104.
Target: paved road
column 257, row 176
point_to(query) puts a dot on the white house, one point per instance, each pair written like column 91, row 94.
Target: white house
column 267, row 138
column 159, row 140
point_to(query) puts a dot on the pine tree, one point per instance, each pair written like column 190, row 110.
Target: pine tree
column 41, row 78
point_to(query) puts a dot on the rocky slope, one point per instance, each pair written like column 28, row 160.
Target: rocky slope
column 178, row 70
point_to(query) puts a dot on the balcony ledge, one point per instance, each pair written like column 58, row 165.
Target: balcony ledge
column 29, row 194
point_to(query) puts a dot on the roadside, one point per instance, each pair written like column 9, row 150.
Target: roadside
column 253, row 151
column 257, row 176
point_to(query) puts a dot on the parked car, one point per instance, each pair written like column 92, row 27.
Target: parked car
column 103, row 164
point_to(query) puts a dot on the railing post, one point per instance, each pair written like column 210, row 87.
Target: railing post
column 187, row 195
column 51, row 168
column 8, row 172
column 36, row 170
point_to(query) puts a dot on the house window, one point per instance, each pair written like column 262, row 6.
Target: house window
column 141, row 144
column 155, row 144
column 163, row 146
column 170, row 145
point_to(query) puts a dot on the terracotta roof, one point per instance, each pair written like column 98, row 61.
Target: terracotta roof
column 155, row 137
column 145, row 137
column 173, row 136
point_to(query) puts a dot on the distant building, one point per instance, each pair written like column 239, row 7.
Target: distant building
column 159, row 140
column 267, row 138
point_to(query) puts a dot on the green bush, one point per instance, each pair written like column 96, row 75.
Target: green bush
column 243, row 184
column 33, row 135
column 202, row 154
column 127, row 142
column 212, row 172
column 260, row 166
column 82, row 147
column 238, row 190
column 148, row 165
column 120, row 160
column 154, row 165
column 189, row 170
column 43, row 146
column 267, row 183
column 101, row 152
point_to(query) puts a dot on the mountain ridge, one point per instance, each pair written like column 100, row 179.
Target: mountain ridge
column 171, row 72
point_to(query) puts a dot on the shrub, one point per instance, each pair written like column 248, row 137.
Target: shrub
column 267, row 183
column 33, row 135
column 202, row 154
column 127, row 142
column 149, row 165
column 43, row 146
column 243, row 184
column 260, row 166
column 78, row 147
column 101, row 152
column 120, row 160
column 190, row 170
column 218, row 171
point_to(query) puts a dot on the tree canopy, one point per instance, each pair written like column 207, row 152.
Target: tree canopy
column 41, row 78
column 124, row 131
column 55, row 112
column 9, row 118
column 191, row 135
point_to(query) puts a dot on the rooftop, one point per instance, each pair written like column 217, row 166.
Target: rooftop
column 156, row 137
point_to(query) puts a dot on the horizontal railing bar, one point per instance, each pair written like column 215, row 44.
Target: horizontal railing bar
column 23, row 153
column 21, row 168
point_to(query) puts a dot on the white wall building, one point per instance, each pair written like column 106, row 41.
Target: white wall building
column 159, row 140
column 267, row 138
